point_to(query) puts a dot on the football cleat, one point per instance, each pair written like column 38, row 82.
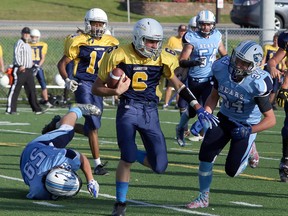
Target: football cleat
column 196, row 138
column 202, row 201
column 119, row 209
column 180, row 136
column 100, row 170
column 52, row 125
column 253, row 159
column 48, row 104
column 40, row 112
column 88, row 109
column 283, row 171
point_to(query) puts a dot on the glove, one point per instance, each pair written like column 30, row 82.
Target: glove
column 71, row 84
column 93, row 188
column 206, row 119
column 282, row 97
column 241, row 131
column 35, row 69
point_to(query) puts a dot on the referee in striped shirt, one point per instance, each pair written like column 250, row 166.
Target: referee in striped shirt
column 23, row 75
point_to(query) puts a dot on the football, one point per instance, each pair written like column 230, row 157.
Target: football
column 114, row 77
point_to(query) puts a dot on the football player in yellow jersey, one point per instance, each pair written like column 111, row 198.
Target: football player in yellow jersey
column 174, row 43
column 87, row 50
column 144, row 62
column 39, row 51
column 269, row 51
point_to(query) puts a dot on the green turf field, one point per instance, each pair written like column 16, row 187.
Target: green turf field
column 255, row 192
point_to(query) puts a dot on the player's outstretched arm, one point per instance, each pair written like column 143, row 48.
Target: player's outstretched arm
column 92, row 185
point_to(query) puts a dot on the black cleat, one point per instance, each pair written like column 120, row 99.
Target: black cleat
column 100, row 170
column 52, row 125
column 283, row 171
column 119, row 209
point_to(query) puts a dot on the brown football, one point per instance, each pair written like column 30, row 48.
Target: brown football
column 114, row 77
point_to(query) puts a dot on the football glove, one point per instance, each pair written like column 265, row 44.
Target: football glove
column 93, row 188
column 71, row 84
column 207, row 119
column 282, row 97
column 35, row 69
column 241, row 131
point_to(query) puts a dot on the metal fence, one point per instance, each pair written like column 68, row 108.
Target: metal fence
column 54, row 34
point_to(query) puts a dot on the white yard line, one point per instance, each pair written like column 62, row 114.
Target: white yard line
column 247, row 204
column 144, row 204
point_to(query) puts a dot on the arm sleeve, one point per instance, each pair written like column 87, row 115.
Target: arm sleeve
column 263, row 103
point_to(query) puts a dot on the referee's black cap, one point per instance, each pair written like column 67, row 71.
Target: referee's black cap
column 25, row 30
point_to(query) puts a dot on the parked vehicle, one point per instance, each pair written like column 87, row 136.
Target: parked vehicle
column 246, row 13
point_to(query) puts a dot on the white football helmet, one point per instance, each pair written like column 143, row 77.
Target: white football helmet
column 192, row 25
column 206, row 16
column 98, row 15
column 4, row 80
column 35, row 33
column 250, row 53
column 150, row 29
column 62, row 182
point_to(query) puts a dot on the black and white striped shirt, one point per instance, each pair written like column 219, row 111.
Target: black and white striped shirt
column 22, row 54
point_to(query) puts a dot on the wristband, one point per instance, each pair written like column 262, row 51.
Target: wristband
column 193, row 103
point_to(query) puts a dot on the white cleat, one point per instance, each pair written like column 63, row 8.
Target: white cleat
column 88, row 109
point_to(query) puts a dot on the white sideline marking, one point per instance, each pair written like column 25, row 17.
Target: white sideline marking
column 48, row 204
column 11, row 178
column 113, row 197
column 246, row 204
column 19, row 132
column 12, row 123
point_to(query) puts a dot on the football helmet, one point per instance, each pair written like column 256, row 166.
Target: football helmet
column 35, row 33
column 97, row 15
column 192, row 25
column 205, row 17
column 4, row 80
column 62, row 182
column 150, row 29
column 245, row 58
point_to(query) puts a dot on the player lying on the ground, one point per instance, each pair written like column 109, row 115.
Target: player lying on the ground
column 49, row 168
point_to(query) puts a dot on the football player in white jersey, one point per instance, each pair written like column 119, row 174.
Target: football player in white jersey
column 244, row 88
column 198, row 54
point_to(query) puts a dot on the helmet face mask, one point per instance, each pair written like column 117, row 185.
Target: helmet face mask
column 62, row 182
column 245, row 58
column 96, row 15
column 147, row 30
column 205, row 18
column 35, row 35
